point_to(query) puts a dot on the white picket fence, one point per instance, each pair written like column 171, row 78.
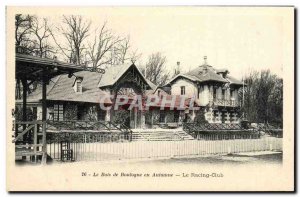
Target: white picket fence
column 98, row 151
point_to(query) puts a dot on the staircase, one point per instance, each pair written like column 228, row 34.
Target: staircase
column 160, row 135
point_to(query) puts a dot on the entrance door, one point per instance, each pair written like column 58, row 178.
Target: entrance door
column 135, row 118
column 127, row 121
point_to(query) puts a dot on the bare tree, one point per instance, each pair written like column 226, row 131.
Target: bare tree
column 103, row 50
column 41, row 32
column 22, row 39
column 123, row 50
column 75, row 30
column 125, row 53
column 22, row 30
column 155, row 69
column 135, row 56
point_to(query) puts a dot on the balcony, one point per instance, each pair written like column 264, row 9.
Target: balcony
column 224, row 103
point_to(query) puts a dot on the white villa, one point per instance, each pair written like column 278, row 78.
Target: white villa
column 215, row 91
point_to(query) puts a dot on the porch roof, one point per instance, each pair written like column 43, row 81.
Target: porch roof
column 32, row 67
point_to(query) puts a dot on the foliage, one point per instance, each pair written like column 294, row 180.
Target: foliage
column 120, row 116
column 263, row 97
column 29, row 114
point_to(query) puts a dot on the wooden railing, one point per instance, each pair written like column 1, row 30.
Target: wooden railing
column 87, row 125
column 196, row 129
column 29, row 139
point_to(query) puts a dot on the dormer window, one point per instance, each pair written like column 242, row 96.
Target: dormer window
column 78, row 85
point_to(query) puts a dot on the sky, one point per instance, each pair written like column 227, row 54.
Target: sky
column 239, row 38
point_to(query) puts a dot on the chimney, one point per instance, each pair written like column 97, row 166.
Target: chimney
column 177, row 71
column 205, row 65
column 205, row 60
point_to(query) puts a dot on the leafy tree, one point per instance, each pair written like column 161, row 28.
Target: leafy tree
column 263, row 97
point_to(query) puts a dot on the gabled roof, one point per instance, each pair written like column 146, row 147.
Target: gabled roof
column 152, row 85
column 61, row 87
column 113, row 74
column 190, row 77
column 205, row 73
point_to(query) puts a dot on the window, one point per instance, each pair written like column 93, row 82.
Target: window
column 182, row 90
column 34, row 111
column 215, row 93
column 58, row 112
column 162, row 116
column 101, row 114
column 223, row 94
column 78, row 86
column 158, row 92
column 231, row 93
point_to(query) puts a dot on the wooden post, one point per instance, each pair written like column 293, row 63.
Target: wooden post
column 24, row 115
column 24, row 111
column 135, row 117
column 44, row 117
column 35, row 142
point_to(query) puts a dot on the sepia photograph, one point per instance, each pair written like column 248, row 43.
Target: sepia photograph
column 175, row 98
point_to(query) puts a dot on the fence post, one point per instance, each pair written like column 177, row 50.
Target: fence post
column 35, row 142
column 229, row 150
column 130, row 135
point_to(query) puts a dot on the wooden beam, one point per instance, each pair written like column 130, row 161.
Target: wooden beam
column 24, row 112
column 23, row 132
column 24, row 84
column 44, row 116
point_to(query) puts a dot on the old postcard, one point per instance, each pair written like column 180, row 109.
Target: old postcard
column 150, row 98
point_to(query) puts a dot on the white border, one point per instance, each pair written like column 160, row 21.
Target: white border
column 4, row 3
